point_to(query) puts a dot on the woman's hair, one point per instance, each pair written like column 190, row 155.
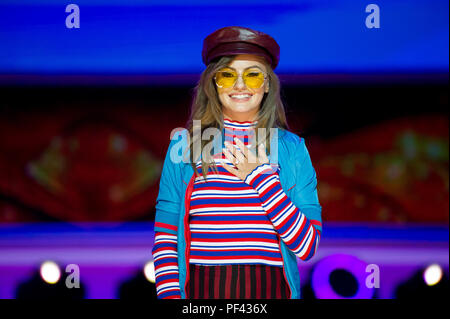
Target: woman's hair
column 207, row 108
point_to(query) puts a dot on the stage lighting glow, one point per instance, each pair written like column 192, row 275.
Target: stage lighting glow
column 50, row 272
column 432, row 274
column 149, row 271
column 320, row 279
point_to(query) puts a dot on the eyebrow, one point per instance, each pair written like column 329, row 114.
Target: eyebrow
column 252, row 66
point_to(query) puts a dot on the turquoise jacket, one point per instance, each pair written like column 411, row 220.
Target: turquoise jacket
column 297, row 178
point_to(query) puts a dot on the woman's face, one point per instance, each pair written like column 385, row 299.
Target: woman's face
column 243, row 109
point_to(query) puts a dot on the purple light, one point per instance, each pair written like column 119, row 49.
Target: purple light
column 323, row 269
column 110, row 253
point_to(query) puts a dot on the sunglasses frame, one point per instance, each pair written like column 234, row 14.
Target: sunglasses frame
column 241, row 75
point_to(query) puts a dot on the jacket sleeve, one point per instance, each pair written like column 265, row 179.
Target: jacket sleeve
column 299, row 225
column 164, row 250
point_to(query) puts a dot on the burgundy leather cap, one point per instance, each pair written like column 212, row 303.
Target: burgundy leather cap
column 240, row 40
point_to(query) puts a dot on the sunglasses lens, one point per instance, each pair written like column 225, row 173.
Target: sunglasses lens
column 226, row 78
column 254, row 79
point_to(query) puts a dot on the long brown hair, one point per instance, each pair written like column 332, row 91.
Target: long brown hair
column 207, row 108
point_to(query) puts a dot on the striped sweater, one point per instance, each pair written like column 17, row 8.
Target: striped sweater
column 227, row 221
column 236, row 222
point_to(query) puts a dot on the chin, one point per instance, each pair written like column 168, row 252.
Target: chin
column 241, row 109
column 237, row 109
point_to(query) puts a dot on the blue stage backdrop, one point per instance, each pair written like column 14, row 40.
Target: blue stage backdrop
column 137, row 37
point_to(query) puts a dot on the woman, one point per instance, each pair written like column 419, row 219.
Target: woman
column 231, row 221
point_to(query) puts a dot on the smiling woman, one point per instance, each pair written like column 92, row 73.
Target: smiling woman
column 241, row 87
column 231, row 224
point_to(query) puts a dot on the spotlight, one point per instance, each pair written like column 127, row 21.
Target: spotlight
column 36, row 287
column 432, row 274
column 50, row 272
column 430, row 283
column 149, row 271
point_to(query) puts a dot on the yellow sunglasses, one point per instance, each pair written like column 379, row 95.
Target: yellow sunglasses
column 252, row 77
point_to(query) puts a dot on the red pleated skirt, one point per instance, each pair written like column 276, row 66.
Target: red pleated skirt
column 236, row 282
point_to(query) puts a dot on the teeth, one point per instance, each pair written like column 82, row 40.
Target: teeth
column 240, row 96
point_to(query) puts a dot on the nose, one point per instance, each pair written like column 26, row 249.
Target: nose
column 239, row 83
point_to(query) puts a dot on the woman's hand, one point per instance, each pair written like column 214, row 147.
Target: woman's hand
column 243, row 158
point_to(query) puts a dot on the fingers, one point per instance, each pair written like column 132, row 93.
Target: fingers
column 229, row 156
column 242, row 147
column 251, row 157
column 243, row 154
column 235, row 152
